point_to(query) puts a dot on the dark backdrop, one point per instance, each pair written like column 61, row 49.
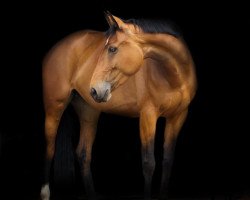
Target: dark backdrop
column 212, row 153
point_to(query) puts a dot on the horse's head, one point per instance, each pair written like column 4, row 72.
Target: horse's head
column 121, row 57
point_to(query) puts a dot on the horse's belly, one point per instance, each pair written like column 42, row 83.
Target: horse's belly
column 129, row 109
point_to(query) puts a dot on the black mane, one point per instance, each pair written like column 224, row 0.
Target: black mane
column 152, row 26
column 156, row 26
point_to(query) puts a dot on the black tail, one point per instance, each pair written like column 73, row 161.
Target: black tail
column 64, row 159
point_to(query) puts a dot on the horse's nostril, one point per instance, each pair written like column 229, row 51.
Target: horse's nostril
column 93, row 93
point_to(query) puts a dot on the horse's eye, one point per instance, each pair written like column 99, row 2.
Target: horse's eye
column 112, row 49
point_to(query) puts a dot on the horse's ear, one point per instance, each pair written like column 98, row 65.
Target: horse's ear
column 114, row 21
column 111, row 21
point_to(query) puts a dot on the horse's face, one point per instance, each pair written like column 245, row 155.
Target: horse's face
column 121, row 57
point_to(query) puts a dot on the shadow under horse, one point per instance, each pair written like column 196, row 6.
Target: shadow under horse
column 138, row 68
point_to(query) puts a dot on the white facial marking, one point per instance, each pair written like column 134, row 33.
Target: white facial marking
column 107, row 41
column 45, row 192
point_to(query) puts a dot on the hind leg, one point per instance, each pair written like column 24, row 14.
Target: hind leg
column 172, row 130
column 88, row 118
column 53, row 115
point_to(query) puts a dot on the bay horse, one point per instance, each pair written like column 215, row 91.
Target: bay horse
column 138, row 68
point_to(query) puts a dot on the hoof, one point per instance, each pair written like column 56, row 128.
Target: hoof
column 45, row 192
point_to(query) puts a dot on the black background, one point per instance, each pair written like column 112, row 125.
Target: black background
column 212, row 153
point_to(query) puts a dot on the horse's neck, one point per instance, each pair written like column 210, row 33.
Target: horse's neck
column 169, row 52
column 161, row 45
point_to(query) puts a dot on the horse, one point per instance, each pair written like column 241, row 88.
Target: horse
column 138, row 68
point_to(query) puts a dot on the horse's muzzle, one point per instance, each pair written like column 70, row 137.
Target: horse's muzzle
column 101, row 92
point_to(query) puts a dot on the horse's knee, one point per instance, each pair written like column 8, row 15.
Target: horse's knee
column 84, row 160
column 81, row 156
column 148, row 167
column 81, row 153
column 168, row 156
column 166, row 162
